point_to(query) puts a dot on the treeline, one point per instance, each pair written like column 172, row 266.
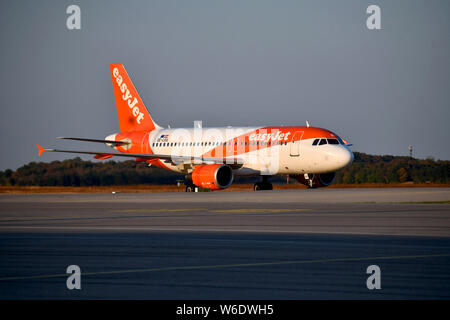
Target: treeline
column 76, row 172
column 390, row 169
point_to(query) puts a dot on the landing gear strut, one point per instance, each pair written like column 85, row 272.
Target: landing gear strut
column 190, row 187
column 263, row 185
column 310, row 179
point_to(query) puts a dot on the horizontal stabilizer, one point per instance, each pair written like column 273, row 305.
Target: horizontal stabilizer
column 41, row 150
column 117, row 143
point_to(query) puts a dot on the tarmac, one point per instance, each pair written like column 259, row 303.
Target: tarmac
column 287, row 244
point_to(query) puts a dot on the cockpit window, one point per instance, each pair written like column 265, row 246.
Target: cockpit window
column 333, row 141
column 322, row 141
column 315, row 142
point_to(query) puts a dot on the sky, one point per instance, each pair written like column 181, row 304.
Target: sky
column 239, row 63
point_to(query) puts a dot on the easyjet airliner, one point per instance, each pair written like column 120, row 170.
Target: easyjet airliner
column 211, row 157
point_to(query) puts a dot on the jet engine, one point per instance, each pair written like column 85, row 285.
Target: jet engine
column 317, row 180
column 212, row 176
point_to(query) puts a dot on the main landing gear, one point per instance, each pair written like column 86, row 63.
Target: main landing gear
column 190, row 187
column 263, row 185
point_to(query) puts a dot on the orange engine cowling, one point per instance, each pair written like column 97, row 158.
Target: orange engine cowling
column 318, row 180
column 212, row 176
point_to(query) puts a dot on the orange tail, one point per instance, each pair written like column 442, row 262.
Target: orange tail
column 133, row 114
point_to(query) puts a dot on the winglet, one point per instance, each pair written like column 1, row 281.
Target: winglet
column 347, row 143
column 102, row 156
column 41, row 150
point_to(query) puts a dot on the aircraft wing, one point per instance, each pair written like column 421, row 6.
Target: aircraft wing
column 167, row 157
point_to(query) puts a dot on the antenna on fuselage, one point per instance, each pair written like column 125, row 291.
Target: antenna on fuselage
column 307, row 123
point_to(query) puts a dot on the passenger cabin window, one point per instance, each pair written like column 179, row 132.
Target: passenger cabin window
column 315, row 142
column 333, row 141
column 322, row 141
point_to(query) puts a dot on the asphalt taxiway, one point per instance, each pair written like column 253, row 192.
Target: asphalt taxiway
column 290, row 244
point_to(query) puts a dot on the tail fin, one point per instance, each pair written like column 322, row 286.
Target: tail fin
column 133, row 115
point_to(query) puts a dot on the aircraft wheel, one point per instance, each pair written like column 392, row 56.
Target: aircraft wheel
column 189, row 188
column 268, row 186
column 262, row 186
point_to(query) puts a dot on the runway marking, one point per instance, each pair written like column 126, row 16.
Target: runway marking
column 243, row 210
column 160, row 210
column 425, row 202
column 24, row 218
column 406, row 202
column 236, row 265
column 257, row 210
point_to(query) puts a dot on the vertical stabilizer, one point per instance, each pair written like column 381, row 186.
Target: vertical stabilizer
column 133, row 115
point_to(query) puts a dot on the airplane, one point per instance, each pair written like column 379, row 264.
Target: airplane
column 211, row 157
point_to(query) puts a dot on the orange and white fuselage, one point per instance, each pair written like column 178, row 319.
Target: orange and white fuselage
column 266, row 150
column 212, row 156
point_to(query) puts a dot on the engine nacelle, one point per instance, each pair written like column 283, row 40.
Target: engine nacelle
column 212, row 176
column 317, row 180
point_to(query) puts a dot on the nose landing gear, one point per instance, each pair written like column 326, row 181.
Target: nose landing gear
column 309, row 178
column 263, row 185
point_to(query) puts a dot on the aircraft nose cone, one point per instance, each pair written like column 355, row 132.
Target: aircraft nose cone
column 337, row 157
column 345, row 157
